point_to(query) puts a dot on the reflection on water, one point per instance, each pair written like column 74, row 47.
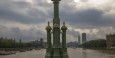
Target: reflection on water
column 111, row 56
column 84, row 54
column 73, row 53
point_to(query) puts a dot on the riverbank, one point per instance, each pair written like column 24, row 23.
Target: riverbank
column 103, row 50
column 9, row 51
column 109, row 51
column 14, row 49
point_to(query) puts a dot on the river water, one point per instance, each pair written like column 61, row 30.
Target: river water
column 73, row 53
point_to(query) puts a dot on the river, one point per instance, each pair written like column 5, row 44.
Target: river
column 73, row 53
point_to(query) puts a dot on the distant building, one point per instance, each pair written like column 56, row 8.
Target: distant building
column 110, row 40
column 79, row 40
column 83, row 37
column 72, row 44
column 20, row 40
column 41, row 42
column 38, row 43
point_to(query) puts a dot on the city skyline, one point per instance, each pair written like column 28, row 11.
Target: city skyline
column 27, row 19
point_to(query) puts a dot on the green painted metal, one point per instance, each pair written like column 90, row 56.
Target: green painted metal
column 56, row 50
column 64, row 47
column 49, row 44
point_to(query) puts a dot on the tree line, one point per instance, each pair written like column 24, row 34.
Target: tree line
column 11, row 43
column 99, row 43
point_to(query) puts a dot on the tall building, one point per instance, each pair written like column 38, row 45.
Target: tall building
column 41, row 42
column 79, row 40
column 83, row 37
column 20, row 40
column 110, row 40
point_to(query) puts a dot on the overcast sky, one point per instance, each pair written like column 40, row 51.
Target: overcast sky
column 27, row 19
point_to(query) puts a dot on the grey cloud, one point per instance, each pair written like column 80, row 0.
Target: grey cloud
column 73, row 33
column 83, row 17
column 25, row 35
column 76, row 18
column 84, row 0
column 90, row 18
column 86, row 18
column 8, row 12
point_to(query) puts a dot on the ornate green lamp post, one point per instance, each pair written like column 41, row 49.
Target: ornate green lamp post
column 56, row 50
column 49, row 44
column 64, row 47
